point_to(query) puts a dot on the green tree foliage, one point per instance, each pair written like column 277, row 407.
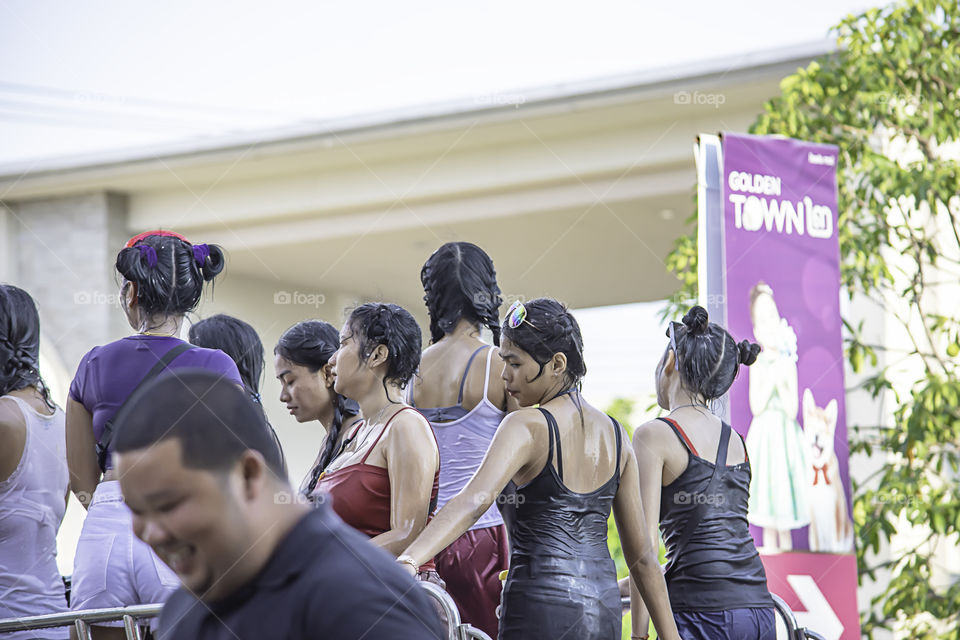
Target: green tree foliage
column 889, row 98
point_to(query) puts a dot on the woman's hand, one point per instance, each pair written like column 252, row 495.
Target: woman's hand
column 81, row 452
column 511, row 449
column 409, row 565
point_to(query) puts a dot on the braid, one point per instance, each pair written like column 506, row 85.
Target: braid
column 342, row 408
column 460, row 282
column 494, row 325
column 332, row 434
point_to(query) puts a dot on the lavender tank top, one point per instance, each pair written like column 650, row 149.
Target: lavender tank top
column 463, row 438
column 107, row 375
column 32, row 504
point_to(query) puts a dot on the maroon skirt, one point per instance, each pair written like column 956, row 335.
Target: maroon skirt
column 471, row 568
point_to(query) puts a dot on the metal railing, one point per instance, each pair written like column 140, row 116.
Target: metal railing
column 133, row 616
column 455, row 629
column 794, row 630
column 81, row 620
column 784, row 612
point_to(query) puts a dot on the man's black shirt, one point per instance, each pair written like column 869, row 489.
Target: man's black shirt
column 324, row 580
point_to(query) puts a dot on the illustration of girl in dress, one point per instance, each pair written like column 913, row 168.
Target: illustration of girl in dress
column 775, row 443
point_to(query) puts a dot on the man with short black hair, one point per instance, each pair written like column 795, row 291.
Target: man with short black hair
column 197, row 467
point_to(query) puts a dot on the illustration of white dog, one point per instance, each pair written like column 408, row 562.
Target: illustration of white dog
column 830, row 528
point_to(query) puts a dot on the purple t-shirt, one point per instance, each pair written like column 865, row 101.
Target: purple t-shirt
column 107, row 375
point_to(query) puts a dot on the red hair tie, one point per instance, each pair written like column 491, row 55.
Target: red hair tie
column 158, row 232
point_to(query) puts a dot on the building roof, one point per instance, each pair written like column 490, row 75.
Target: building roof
column 712, row 74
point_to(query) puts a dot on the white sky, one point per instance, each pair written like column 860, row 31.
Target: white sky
column 81, row 76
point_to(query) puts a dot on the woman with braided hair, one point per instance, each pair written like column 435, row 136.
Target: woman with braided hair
column 33, row 472
column 302, row 362
column 384, row 478
column 694, row 481
column 163, row 277
column 561, row 466
column 464, row 405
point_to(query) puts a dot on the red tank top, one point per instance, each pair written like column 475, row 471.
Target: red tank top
column 360, row 493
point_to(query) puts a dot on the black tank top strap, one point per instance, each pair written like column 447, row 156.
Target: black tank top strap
column 746, row 456
column 554, row 431
column 725, row 430
column 616, row 430
column 680, row 434
column 463, row 380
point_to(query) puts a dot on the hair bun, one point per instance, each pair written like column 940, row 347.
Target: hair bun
column 748, row 352
column 697, row 320
column 213, row 260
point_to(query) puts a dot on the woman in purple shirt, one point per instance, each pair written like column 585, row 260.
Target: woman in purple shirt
column 33, row 473
column 163, row 276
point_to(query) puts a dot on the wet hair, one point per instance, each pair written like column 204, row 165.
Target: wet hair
column 213, row 434
column 708, row 358
column 311, row 344
column 377, row 323
column 20, row 343
column 459, row 281
column 549, row 328
column 238, row 340
column 169, row 272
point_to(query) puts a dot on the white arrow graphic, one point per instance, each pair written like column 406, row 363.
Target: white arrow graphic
column 819, row 615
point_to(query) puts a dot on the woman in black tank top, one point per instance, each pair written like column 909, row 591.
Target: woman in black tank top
column 556, row 469
column 717, row 585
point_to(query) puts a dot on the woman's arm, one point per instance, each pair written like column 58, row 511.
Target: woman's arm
column 637, row 539
column 646, row 445
column 81, row 452
column 13, row 438
column 513, row 447
column 412, row 457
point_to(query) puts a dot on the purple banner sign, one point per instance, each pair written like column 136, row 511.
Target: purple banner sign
column 782, row 269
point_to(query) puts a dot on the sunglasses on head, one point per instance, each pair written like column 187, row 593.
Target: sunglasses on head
column 672, row 334
column 516, row 315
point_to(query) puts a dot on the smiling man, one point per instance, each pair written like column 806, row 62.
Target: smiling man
column 201, row 475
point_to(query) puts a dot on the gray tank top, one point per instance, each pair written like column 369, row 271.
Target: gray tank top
column 31, row 507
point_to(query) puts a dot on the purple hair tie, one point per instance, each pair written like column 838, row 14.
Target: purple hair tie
column 150, row 253
column 200, row 253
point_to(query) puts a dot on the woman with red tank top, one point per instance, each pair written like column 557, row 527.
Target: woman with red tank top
column 385, row 477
